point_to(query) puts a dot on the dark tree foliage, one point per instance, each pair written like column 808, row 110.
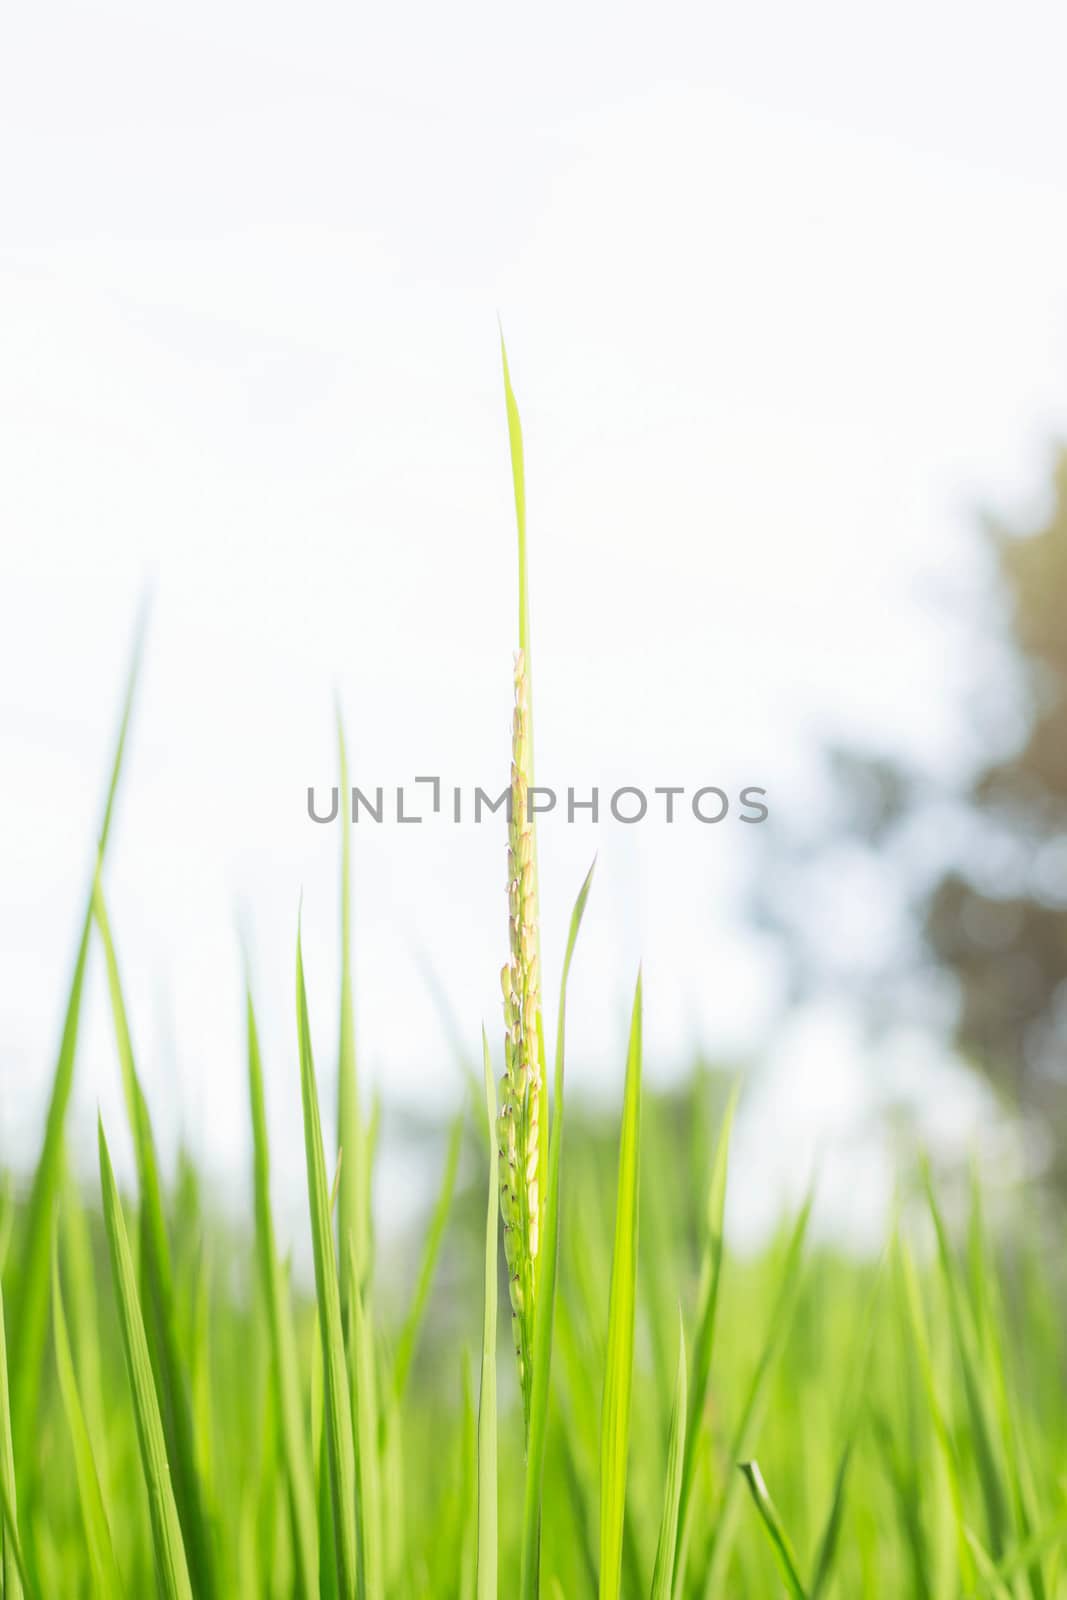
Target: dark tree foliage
column 1006, row 942
column 978, row 867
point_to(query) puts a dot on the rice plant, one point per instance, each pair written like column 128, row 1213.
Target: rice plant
column 182, row 1413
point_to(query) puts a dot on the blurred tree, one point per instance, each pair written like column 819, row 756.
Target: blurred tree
column 1006, row 943
column 978, row 867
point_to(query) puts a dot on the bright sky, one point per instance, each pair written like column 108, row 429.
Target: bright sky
column 785, row 290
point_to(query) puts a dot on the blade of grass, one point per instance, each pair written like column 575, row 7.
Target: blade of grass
column 772, row 1523
column 337, row 1403
column 546, row 1294
column 826, row 1554
column 285, row 1369
column 662, row 1576
column 704, row 1340
column 910, row 1301
column 363, row 1378
column 157, row 1276
column 487, row 1421
column 12, row 1567
column 777, row 1327
column 409, row 1334
column 994, row 1492
column 78, row 1266
column 352, row 1216
column 106, row 1579
column 618, row 1378
column 172, row 1570
column 29, row 1332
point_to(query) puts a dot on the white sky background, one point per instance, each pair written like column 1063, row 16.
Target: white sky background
column 785, row 290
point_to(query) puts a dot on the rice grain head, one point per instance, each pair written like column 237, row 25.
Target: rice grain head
column 518, row 1125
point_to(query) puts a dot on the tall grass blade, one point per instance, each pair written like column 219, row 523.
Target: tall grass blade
column 663, row 1573
column 704, row 1338
column 618, row 1376
column 487, row 1419
column 994, row 1491
column 545, row 1308
column 354, row 1198
column 30, row 1328
column 106, row 1580
column 910, row 1301
column 11, row 1564
column 284, row 1363
column 364, row 1382
column 172, row 1570
column 337, row 1404
column 157, row 1276
column 755, row 1398
column 776, row 1533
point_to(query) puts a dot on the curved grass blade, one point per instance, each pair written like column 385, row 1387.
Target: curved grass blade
column 78, row 1268
column 911, row 1309
column 704, row 1340
column 994, row 1491
column 337, row 1403
column 777, row 1327
column 1023, row 1555
column 106, row 1580
column 487, row 1421
column 29, row 1332
column 157, row 1278
column 829, row 1542
column 17, row 1582
column 12, row 1567
column 772, row 1522
column 618, row 1378
column 353, row 1215
column 172, row 1570
column 409, row 1334
column 286, row 1372
column 662, row 1576
column 546, row 1293
column 364, row 1380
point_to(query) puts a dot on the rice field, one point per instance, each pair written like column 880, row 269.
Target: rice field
column 568, row 1385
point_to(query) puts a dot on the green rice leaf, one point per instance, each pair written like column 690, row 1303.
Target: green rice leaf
column 364, row 1382
column 662, row 1576
column 910, row 1300
column 12, row 1566
column 172, row 1571
column 29, row 1332
column 618, row 1377
column 337, row 1404
column 776, row 1533
column 704, row 1339
column 106, row 1579
column 354, row 1198
column 487, row 1419
column 976, row 1389
column 826, row 1554
column 755, row 1399
column 284, row 1364
column 545, row 1308
column 157, row 1275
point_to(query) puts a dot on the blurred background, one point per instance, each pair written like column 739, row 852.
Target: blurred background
column 784, row 294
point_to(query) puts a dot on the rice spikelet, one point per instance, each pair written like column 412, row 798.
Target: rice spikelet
column 518, row 1126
